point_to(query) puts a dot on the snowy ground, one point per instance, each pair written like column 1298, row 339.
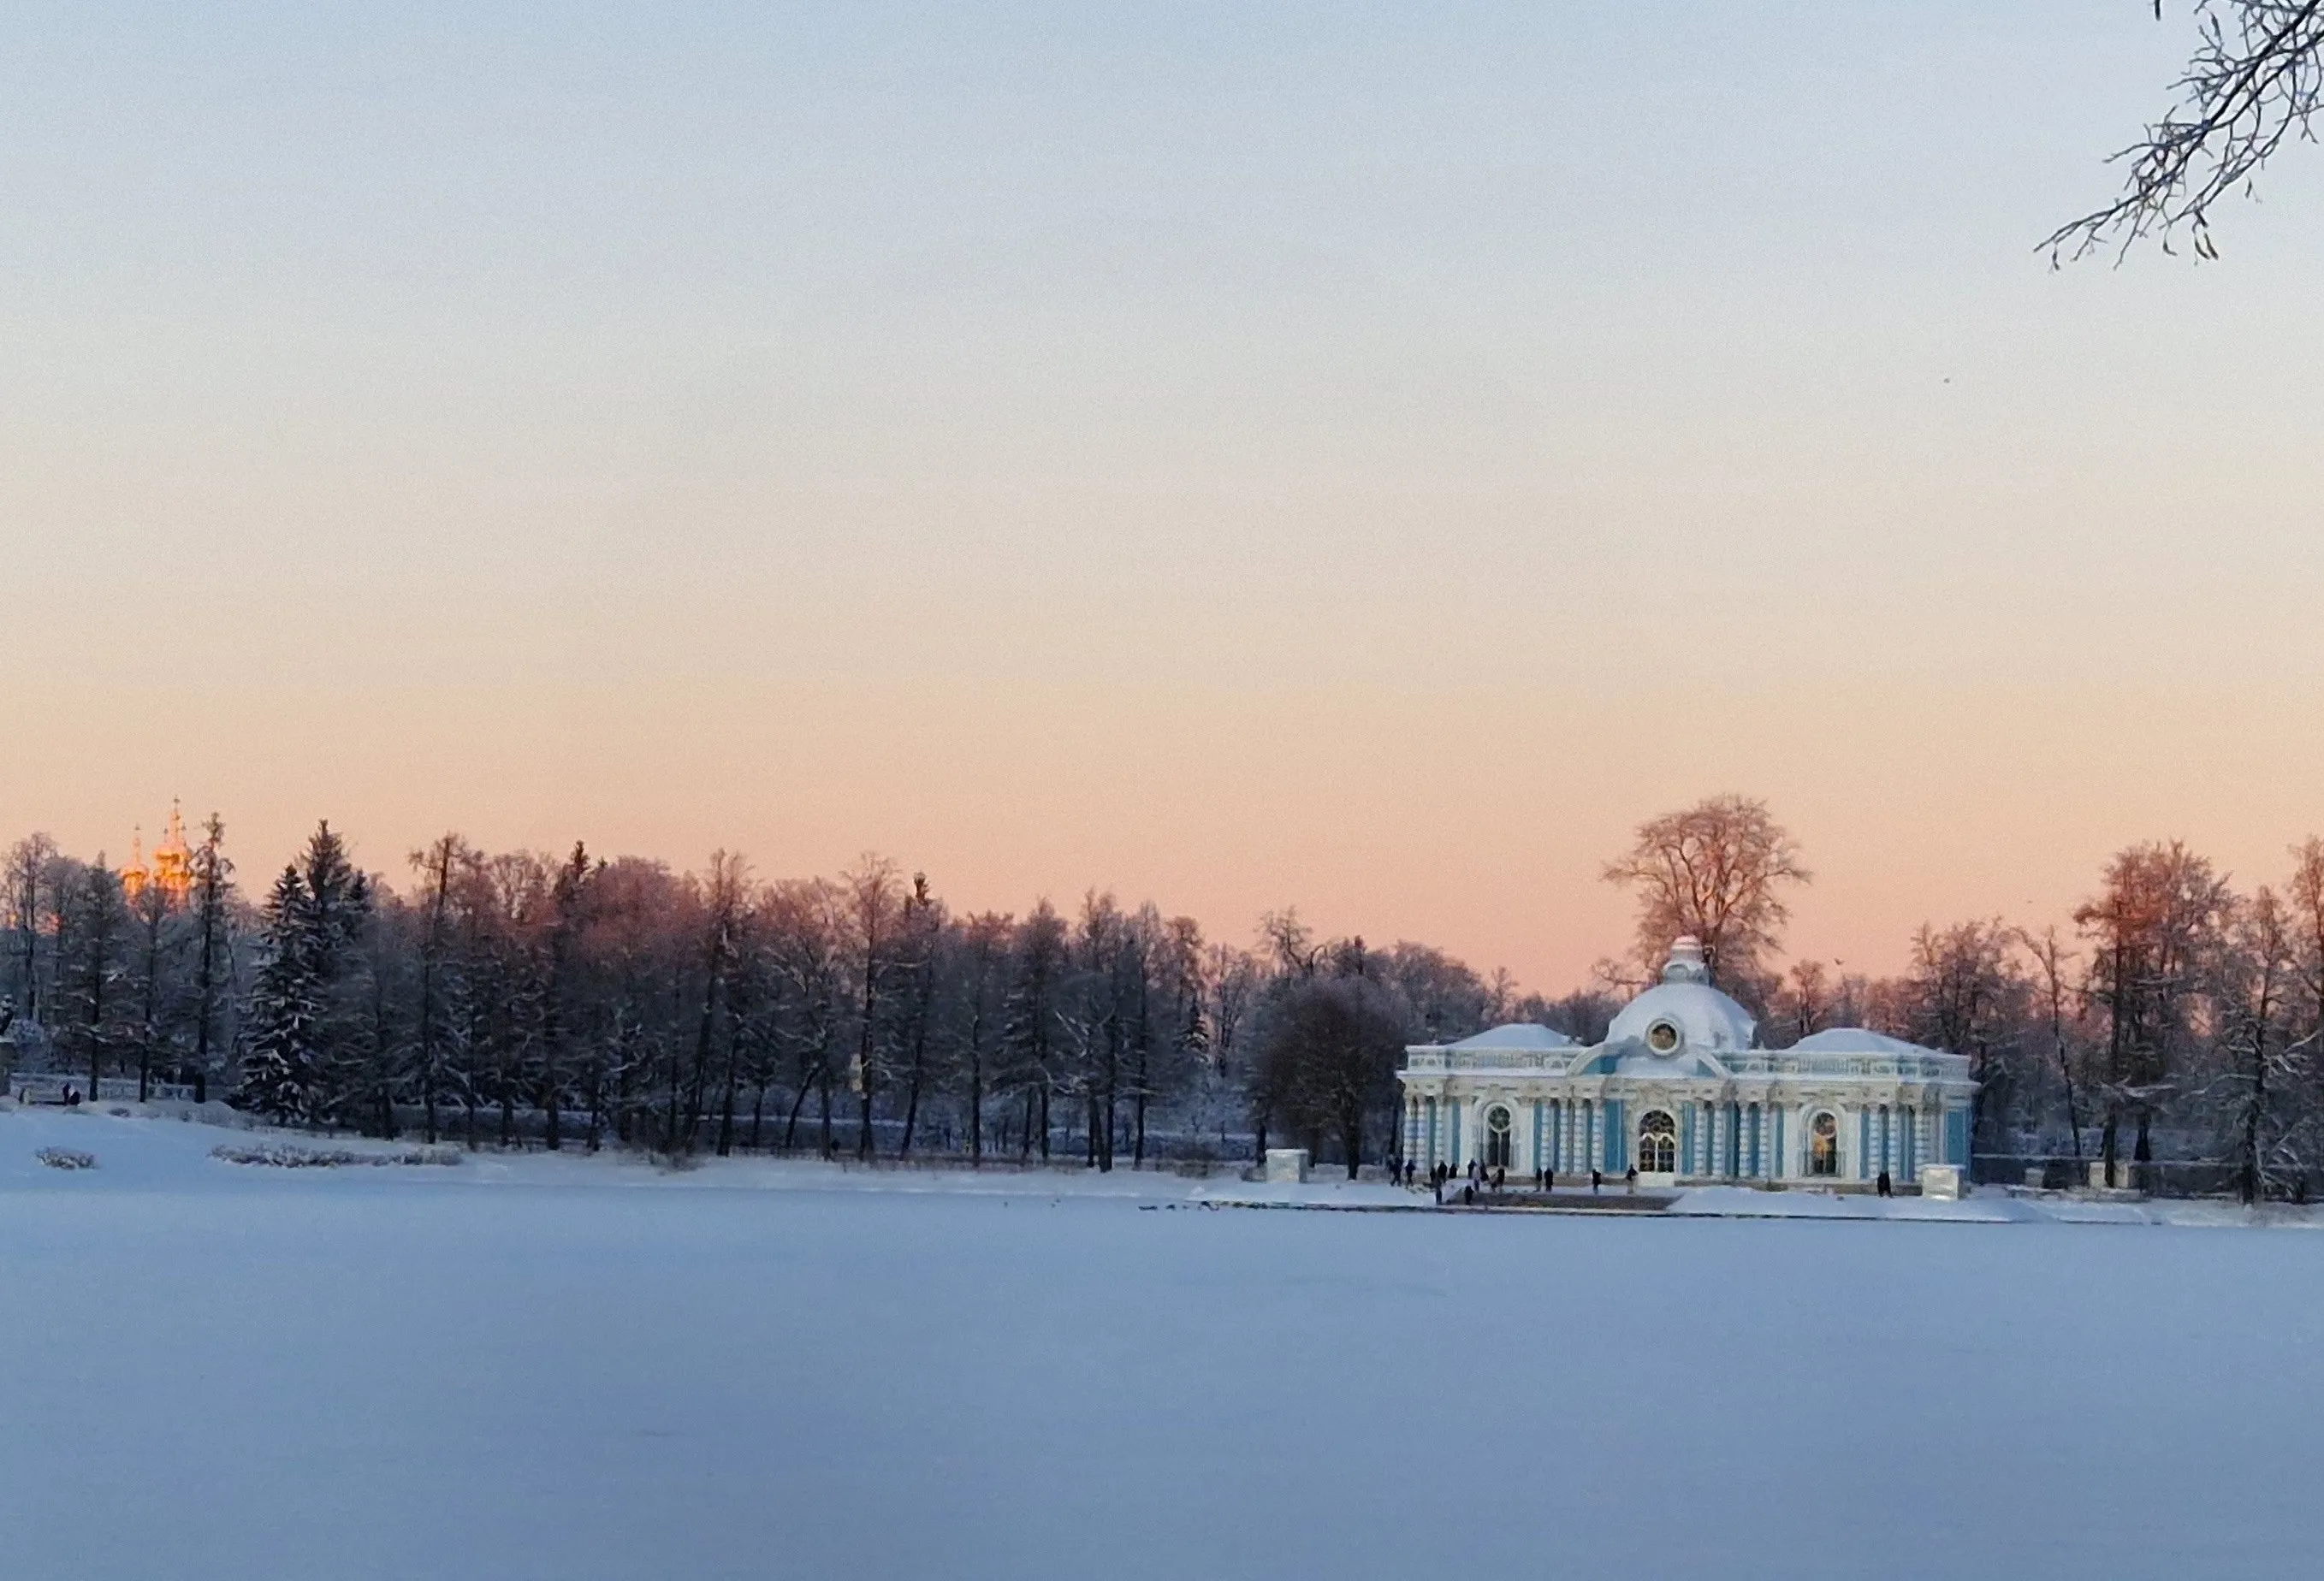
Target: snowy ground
column 571, row 1368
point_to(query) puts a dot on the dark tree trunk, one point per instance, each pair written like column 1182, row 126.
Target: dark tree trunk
column 2250, row 1180
column 625, row 1094
column 912, row 1093
column 669, row 1119
column 798, row 1102
column 726, row 1103
column 2073, row 1116
column 975, row 1095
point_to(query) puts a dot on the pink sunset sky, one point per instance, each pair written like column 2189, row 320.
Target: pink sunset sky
column 1361, row 458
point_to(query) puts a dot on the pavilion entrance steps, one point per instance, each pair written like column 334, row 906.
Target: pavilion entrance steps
column 1614, row 1198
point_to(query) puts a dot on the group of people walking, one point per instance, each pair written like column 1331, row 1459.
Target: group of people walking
column 1477, row 1180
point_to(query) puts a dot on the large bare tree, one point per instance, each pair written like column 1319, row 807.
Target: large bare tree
column 1714, row 870
column 2154, row 930
column 2256, row 78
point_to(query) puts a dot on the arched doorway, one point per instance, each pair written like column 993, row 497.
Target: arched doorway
column 1823, row 1145
column 1657, row 1144
column 1499, row 1141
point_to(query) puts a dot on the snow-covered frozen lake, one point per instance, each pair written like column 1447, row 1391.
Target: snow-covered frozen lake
column 567, row 1369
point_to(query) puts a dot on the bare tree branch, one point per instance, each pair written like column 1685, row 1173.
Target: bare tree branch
column 2256, row 78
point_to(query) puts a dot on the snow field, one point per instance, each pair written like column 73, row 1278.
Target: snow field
column 519, row 1368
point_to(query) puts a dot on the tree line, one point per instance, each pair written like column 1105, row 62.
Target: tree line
column 516, row 999
column 523, row 999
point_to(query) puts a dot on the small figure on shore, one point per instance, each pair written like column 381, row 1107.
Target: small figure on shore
column 1502, row 1178
column 1596, row 1178
column 1884, row 1185
column 1468, row 1195
column 1630, row 1177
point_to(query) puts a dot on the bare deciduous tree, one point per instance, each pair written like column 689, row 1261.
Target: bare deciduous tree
column 2256, row 78
column 1713, row 870
column 2152, row 930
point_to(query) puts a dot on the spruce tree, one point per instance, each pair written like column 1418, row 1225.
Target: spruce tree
column 332, row 916
column 281, row 1058
column 211, row 868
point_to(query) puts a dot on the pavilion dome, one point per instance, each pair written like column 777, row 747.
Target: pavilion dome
column 1855, row 1040
column 1683, row 1012
column 1518, row 1035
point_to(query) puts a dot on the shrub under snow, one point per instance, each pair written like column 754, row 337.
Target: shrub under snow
column 66, row 1158
column 291, row 1155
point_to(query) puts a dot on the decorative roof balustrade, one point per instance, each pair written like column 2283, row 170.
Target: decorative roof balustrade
column 1486, row 1060
column 1928, row 1067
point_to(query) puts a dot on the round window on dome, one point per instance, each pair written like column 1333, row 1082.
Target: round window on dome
column 1662, row 1037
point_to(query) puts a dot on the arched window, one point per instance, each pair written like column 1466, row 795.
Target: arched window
column 1496, row 1138
column 1823, row 1145
column 1657, row 1144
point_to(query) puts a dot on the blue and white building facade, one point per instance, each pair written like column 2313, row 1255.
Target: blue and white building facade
column 1681, row 1091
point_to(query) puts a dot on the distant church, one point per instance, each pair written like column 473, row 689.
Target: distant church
column 171, row 870
column 1682, row 1090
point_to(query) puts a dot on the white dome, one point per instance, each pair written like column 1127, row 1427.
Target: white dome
column 1704, row 1019
column 1855, row 1040
column 1517, row 1034
column 1685, row 1003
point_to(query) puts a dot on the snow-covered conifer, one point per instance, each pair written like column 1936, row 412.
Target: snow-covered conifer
column 281, row 1057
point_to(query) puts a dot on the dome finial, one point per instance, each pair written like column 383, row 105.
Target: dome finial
column 1686, row 963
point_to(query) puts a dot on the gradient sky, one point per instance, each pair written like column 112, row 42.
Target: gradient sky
column 1362, row 456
